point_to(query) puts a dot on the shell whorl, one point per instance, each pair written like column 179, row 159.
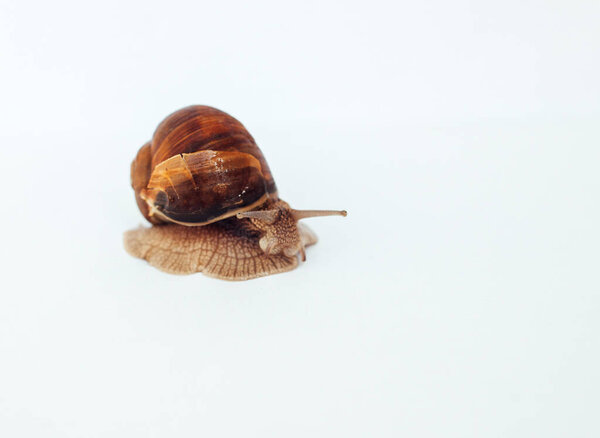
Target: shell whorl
column 201, row 166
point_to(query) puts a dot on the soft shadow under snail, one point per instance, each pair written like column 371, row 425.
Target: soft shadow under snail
column 207, row 189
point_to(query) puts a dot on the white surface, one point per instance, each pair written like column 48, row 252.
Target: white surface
column 459, row 298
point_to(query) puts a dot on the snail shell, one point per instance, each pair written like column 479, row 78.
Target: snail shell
column 201, row 166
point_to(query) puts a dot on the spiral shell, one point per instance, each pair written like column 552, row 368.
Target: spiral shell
column 201, row 166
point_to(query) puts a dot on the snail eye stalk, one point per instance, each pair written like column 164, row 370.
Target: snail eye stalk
column 303, row 214
column 267, row 216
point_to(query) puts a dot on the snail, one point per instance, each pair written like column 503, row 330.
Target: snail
column 206, row 188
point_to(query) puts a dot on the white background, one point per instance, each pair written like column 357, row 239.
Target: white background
column 459, row 298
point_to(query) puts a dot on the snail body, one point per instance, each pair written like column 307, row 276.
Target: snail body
column 207, row 189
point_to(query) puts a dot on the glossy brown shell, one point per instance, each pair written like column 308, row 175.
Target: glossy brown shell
column 201, row 166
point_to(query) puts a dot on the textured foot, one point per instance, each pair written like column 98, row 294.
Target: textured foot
column 222, row 250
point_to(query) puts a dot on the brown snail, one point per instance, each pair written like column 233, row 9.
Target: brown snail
column 207, row 189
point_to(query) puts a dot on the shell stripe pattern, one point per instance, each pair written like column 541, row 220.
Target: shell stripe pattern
column 203, row 167
column 206, row 186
